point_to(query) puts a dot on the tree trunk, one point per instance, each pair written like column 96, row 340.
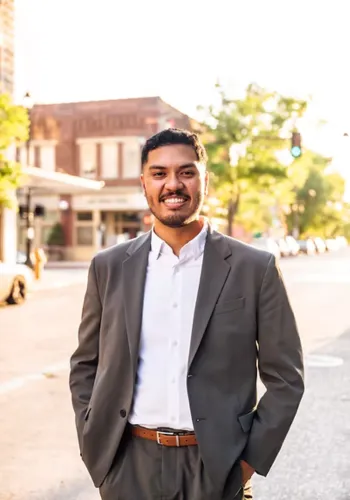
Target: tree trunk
column 232, row 210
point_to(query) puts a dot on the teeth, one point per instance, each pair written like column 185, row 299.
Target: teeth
column 174, row 200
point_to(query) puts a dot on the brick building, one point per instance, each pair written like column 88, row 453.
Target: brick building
column 99, row 140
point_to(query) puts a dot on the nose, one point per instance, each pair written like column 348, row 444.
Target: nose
column 173, row 182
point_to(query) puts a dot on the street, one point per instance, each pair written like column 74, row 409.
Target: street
column 39, row 457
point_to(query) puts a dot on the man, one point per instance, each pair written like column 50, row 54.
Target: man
column 174, row 325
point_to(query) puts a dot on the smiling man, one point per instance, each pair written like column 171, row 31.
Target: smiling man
column 174, row 326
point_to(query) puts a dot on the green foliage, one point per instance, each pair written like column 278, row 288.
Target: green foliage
column 10, row 176
column 14, row 122
column 260, row 124
column 318, row 200
column 14, row 126
column 56, row 235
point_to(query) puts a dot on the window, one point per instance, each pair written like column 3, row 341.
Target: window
column 48, row 158
column 45, row 233
column 131, row 164
column 85, row 236
column 23, row 156
column 84, row 216
column 130, row 217
column 52, row 216
column 88, row 160
column 109, row 154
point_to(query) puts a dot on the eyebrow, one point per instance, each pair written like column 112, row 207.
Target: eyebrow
column 162, row 167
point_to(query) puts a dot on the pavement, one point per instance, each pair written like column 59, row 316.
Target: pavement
column 39, row 457
column 60, row 277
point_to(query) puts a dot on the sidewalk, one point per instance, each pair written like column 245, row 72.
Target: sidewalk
column 60, row 277
column 67, row 265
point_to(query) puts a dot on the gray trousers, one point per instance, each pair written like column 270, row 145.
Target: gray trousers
column 144, row 470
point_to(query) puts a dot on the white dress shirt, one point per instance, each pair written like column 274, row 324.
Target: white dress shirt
column 170, row 296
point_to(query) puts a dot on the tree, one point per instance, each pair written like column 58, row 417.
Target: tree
column 56, row 236
column 14, row 126
column 317, row 207
column 243, row 137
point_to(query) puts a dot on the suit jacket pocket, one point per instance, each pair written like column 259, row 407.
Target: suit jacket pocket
column 87, row 414
column 229, row 305
column 246, row 420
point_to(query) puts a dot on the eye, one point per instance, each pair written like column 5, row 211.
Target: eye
column 158, row 174
column 188, row 173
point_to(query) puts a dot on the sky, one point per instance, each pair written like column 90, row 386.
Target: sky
column 70, row 50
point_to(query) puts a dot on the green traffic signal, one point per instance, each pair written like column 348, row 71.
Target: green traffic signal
column 296, row 151
column 296, row 145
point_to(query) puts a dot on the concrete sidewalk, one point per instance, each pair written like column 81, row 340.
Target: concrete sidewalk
column 60, row 277
column 63, row 264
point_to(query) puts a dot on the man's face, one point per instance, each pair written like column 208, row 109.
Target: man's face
column 175, row 184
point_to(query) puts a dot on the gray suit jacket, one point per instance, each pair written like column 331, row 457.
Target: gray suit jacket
column 242, row 323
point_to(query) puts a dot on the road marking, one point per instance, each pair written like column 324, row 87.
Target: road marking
column 19, row 382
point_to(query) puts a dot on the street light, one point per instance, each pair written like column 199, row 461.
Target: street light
column 28, row 104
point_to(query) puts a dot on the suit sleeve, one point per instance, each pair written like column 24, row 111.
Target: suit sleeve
column 84, row 361
column 280, row 363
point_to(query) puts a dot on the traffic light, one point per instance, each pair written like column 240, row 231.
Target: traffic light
column 39, row 211
column 296, row 145
column 23, row 211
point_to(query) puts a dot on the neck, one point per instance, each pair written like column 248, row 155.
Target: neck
column 177, row 237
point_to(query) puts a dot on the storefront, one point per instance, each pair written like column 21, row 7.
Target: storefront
column 90, row 222
column 49, row 190
column 103, row 219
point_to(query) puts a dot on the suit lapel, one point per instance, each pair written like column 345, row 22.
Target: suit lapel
column 215, row 270
column 133, row 276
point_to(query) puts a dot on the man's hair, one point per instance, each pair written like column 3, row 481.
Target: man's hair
column 172, row 136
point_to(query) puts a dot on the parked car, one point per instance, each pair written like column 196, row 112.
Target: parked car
column 267, row 244
column 21, row 258
column 307, row 246
column 15, row 281
column 284, row 248
column 342, row 241
column 332, row 244
column 320, row 245
column 293, row 245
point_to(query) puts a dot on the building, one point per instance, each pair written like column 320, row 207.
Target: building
column 7, row 216
column 7, row 46
column 102, row 141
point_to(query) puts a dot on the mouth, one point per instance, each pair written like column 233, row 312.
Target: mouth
column 174, row 202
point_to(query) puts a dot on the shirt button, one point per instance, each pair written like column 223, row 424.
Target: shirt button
column 123, row 413
column 175, row 305
column 175, row 343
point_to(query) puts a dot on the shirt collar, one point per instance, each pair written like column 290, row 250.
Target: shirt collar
column 193, row 248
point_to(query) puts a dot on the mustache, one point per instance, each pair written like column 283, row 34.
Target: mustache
column 177, row 193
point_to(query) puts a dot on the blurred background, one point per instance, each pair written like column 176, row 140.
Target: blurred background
column 83, row 85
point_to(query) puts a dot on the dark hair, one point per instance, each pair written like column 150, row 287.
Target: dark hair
column 171, row 136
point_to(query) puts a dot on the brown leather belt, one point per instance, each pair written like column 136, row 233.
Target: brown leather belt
column 164, row 438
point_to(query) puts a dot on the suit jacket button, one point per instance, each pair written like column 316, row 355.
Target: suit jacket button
column 123, row 413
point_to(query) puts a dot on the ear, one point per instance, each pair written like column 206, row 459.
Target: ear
column 142, row 180
column 206, row 190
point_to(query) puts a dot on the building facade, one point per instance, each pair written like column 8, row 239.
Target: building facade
column 102, row 141
column 7, row 46
column 7, row 216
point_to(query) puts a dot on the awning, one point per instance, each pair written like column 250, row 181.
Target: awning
column 43, row 181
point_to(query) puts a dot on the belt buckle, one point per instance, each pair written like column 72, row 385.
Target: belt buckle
column 168, row 434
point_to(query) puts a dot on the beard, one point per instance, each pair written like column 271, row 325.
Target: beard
column 181, row 217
